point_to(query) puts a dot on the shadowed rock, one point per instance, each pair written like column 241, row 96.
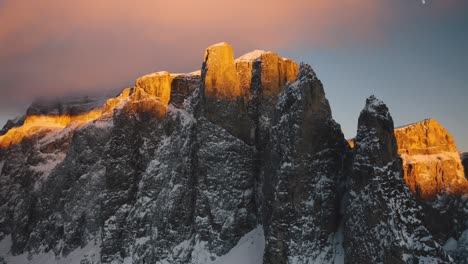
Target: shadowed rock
column 383, row 222
column 464, row 158
column 302, row 175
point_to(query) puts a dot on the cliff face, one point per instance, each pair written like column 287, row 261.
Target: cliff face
column 239, row 162
column 166, row 171
column 431, row 161
column 383, row 223
column 302, row 176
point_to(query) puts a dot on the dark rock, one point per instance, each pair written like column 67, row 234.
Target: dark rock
column 11, row 123
column 464, row 158
column 383, row 222
column 303, row 176
column 65, row 106
column 182, row 87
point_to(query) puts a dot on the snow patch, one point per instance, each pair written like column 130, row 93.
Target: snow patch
column 427, row 158
column 249, row 249
column 451, row 244
column 184, row 116
column 338, row 241
column 90, row 252
column 46, row 167
column 251, row 55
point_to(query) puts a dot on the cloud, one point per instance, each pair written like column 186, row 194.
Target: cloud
column 52, row 47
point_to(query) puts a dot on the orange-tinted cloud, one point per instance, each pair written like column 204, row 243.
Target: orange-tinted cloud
column 50, row 47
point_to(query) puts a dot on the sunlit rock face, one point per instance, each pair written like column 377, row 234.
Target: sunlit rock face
column 117, row 101
column 383, row 222
column 431, row 161
column 227, row 87
column 52, row 115
column 11, row 123
column 276, row 71
column 221, row 80
column 156, row 85
column 222, row 101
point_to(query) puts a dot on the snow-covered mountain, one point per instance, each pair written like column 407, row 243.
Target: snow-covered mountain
column 240, row 162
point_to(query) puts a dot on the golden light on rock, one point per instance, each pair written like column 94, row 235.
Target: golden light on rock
column 276, row 71
column 431, row 162
column 35, row 123
column 226, row 79
column 157, row 85
column 351, row 143
column 221, row 80
column 112, row 103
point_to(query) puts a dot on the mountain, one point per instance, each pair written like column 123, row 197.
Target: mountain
column 383, row 222
column 240, row 162
column 431, row 160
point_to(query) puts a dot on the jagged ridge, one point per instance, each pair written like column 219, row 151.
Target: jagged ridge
column 184, row 168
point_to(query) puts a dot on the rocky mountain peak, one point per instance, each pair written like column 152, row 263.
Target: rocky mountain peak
column 381, row 212
column 221, row 78
column 375, row 134
column 157, row 85
column 431, row 161
column 424, row 138
column 275, row 71
column 44, row 115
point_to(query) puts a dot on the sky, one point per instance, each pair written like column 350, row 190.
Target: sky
column 412, row 54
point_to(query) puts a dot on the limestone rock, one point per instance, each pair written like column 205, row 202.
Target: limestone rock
column 52, row 115
column 112, row 103
column 383, row 222
column 431, row 161
column 221, row 79
column 276, row 71
column 157, row 84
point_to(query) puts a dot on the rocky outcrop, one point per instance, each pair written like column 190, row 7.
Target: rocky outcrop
column 431, row 161
column 157, row 85
column 182, row 87
column 383, row 223
column 117, row 101
column 11, row 123
column 43, row 116
column 221, row 80
column 275, row 71
column 302, row 176
column 434, row 173
column 227, row 88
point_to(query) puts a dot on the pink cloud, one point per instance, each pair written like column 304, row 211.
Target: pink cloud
column 50, row 47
